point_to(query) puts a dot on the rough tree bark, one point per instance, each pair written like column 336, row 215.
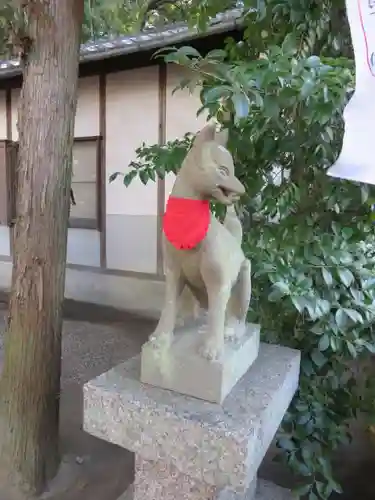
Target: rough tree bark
column 30, row 383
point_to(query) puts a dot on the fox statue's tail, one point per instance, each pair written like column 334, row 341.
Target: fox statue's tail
column 233, row 224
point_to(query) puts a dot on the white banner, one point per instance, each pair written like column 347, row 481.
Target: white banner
column 357, row 160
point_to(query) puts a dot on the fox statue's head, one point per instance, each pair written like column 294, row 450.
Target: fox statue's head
column 208, row 169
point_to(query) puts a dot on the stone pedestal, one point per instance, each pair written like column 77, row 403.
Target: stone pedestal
column 263, row 490
column 182, row 369
column 187, row 448
column 162, row 481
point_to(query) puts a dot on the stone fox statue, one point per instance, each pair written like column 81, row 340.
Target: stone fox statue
column 200, row 253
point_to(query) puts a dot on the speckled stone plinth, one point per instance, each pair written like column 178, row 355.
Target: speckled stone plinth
column 183, row 370
column 218, row 445
column 162, row 481
column 265, row 490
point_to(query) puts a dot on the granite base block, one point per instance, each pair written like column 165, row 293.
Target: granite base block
column 219, row 445
column 162, row 481
column 181, row 369
column 265, row 490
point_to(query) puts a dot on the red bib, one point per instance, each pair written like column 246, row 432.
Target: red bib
column 186, row 221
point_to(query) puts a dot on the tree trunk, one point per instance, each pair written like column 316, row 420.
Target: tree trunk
column 30, row 383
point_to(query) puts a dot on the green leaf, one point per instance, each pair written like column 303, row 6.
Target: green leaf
column 324, row 342
column 329, row 132
column 289, row 45
column 282, row 286
column 341, row 319
column 129, row 177
column 271, row 106
column 318, row 358
column 346, row 276
column 365, row 193
column 216, row 93
column 286, row 443
column 299, row 303
column 261, row 10
column 114, row 176
column 279, row 290
column 144, row 176
column 334, row 486
column 302, row 490
column 351, row 349
column 217, row 54
column 327, row 276
column 241, row 105
column 369, row 346
column 307, row 88
column 313, row 61
column 320, row 488
column 188, row 51
column 354, row 315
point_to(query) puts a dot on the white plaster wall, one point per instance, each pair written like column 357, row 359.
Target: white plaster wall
column 181, row 112
column 4, row 241
column 4, row 230
column 87, row 116
column 3, row 116
column 83, row 247
column 132, row 117
column 15, row 98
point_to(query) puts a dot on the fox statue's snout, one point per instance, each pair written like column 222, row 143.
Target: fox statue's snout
column 231, row 189
column 208, row 170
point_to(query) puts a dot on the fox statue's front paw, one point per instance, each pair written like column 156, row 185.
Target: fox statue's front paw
column 234, row 329
column 212, row 349
column 161, row 339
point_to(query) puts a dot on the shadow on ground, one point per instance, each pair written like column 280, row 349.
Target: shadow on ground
column 94, row 340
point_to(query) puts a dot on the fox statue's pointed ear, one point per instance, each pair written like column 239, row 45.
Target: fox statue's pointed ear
column 207, row 134
column 221, row 137
column 206, row 155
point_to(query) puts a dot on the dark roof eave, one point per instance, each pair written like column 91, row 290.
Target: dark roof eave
column 162, row 42
column 141, row 42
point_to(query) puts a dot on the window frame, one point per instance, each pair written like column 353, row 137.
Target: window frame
column 74, row 222
column 95, row 224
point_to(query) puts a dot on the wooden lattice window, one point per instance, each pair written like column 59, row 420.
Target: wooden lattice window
column 85, row 212
column 8, row 165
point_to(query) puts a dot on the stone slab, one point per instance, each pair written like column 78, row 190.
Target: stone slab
column 265, row 490
column 180, row 368
column 221, row 445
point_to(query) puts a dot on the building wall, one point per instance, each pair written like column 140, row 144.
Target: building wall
column 132, row 117
column 136, row 107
